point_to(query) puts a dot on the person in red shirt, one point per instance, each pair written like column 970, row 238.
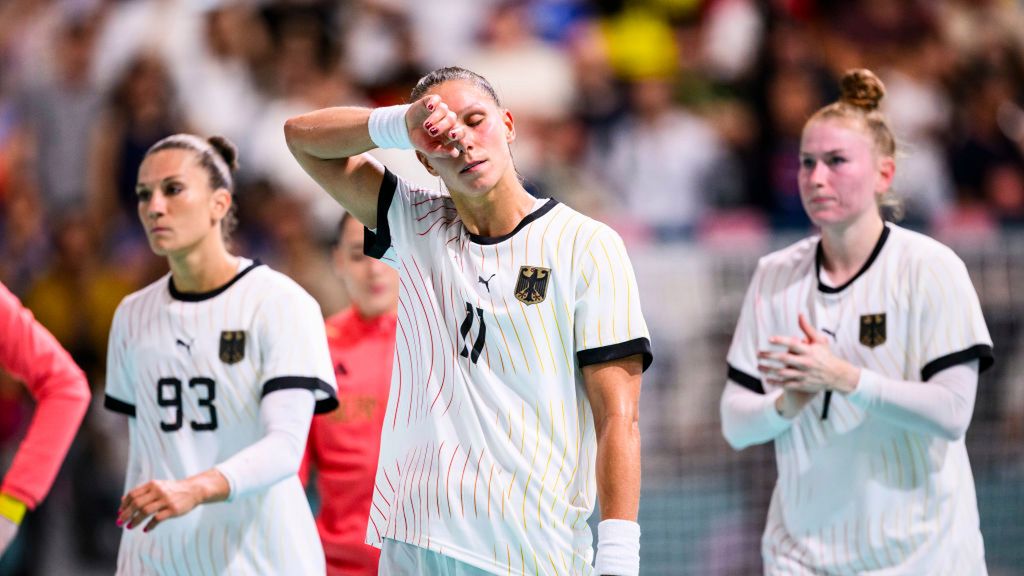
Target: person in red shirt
column 344, row 445
column 29, row 352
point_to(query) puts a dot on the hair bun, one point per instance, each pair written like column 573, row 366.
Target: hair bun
column 861, row 88
column 227, row 150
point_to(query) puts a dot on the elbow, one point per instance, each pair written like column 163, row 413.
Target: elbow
column 736, row 442
column 291, row 131
column 954, row 432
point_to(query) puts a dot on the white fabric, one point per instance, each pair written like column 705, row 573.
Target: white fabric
column 285, row 416
column 183, row 366
column 857, row 491
column 387, row 127
column 749, row 418
column 489, row 456
column 618, row 548
column 8, row 530
column 943, row 406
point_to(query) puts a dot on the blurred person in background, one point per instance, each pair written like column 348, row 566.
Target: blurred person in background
column 31, row 354
column 344, row 445
column 61, row 109
column 516, row 345
column 219, row 366
column 857, row 353
column 663, row 162
column 142, row 109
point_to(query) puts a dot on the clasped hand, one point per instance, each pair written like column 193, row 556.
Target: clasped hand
column 806, row 365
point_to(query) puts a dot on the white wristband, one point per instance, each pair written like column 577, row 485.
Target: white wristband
column 618, row 548
column 387, row 127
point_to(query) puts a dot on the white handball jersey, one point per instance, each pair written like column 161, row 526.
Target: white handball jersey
column 190, row 370
column 857, row 493
column 488, row 446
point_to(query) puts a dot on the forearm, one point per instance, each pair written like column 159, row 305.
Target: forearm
column 749, row 418
column 618, row 468
column 286, row 415
column 330, row 133
column 940, row 407
column 54, row 423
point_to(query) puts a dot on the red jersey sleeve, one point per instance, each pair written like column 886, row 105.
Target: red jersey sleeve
column 31, row 353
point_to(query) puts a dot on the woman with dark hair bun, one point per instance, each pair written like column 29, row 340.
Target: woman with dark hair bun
column 857, row 353
column 219, row 366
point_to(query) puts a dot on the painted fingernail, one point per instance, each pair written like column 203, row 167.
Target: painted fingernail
column 452, row 135
column 428, row 125
column 120, row 522
column 430, row 106
column 433, row 131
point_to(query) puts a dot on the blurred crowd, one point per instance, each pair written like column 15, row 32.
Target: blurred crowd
column 676, row 121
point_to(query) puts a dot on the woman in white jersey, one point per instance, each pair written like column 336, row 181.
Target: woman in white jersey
column 858, row 352
column 519, row 351
column 220, row 366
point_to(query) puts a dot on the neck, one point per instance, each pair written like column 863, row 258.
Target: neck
column 847, row 248
column 204, row 268
column 497, row 212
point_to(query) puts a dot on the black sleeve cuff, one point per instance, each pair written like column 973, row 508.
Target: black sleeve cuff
column 980, row 352
column 326, row 398
column 745, row 380
column 115, row 405
column 611, row 352
column 376, row 243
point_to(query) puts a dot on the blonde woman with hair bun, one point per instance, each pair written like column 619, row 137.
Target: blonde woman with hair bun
column 857, row 353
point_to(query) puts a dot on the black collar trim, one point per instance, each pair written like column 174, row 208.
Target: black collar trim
column 200, row 296
column 819, row 256
column 538, row 213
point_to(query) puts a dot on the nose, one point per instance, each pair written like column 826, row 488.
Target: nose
column 818, row 173
column 156, row 206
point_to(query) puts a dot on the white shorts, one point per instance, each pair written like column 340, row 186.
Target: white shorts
column 401, row 559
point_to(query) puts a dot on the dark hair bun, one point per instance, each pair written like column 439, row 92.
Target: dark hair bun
column 861, row 88
column 227, row 150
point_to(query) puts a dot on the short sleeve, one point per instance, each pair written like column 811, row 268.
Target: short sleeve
column 742, row 356
column 119, row 394
column 608, row 322
column 293, row 347
column 951, row 327
column 412, row 214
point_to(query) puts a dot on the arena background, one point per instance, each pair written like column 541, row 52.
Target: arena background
column 676, row 121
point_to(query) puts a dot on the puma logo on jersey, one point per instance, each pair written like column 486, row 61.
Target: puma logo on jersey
column 186, row 345
column 829, row 332
column 486, row 283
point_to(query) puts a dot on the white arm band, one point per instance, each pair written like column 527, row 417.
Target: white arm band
column 387, row 127
column 285, row 416
column 942, row 406
column 618, row 548
column 750, row 418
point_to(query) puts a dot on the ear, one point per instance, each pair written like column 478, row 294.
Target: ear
column 886, row 174
column 510, row 126
column 426, row 163
column 221, row 202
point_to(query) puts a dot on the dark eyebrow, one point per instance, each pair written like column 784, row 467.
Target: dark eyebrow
column 163, row 181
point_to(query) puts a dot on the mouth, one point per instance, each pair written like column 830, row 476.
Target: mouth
column 471, row 166
column 159, row 229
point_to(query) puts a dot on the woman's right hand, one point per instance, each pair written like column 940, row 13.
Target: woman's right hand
column 433, row 128
column 791, row 402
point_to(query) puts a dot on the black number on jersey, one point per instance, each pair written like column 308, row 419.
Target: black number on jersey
column 168, row 395
column 481, row 336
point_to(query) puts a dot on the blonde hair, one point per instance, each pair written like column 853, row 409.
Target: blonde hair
column 860, row 94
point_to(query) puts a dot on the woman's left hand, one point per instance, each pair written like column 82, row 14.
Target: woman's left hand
column 807, row 365
column 161, row 499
